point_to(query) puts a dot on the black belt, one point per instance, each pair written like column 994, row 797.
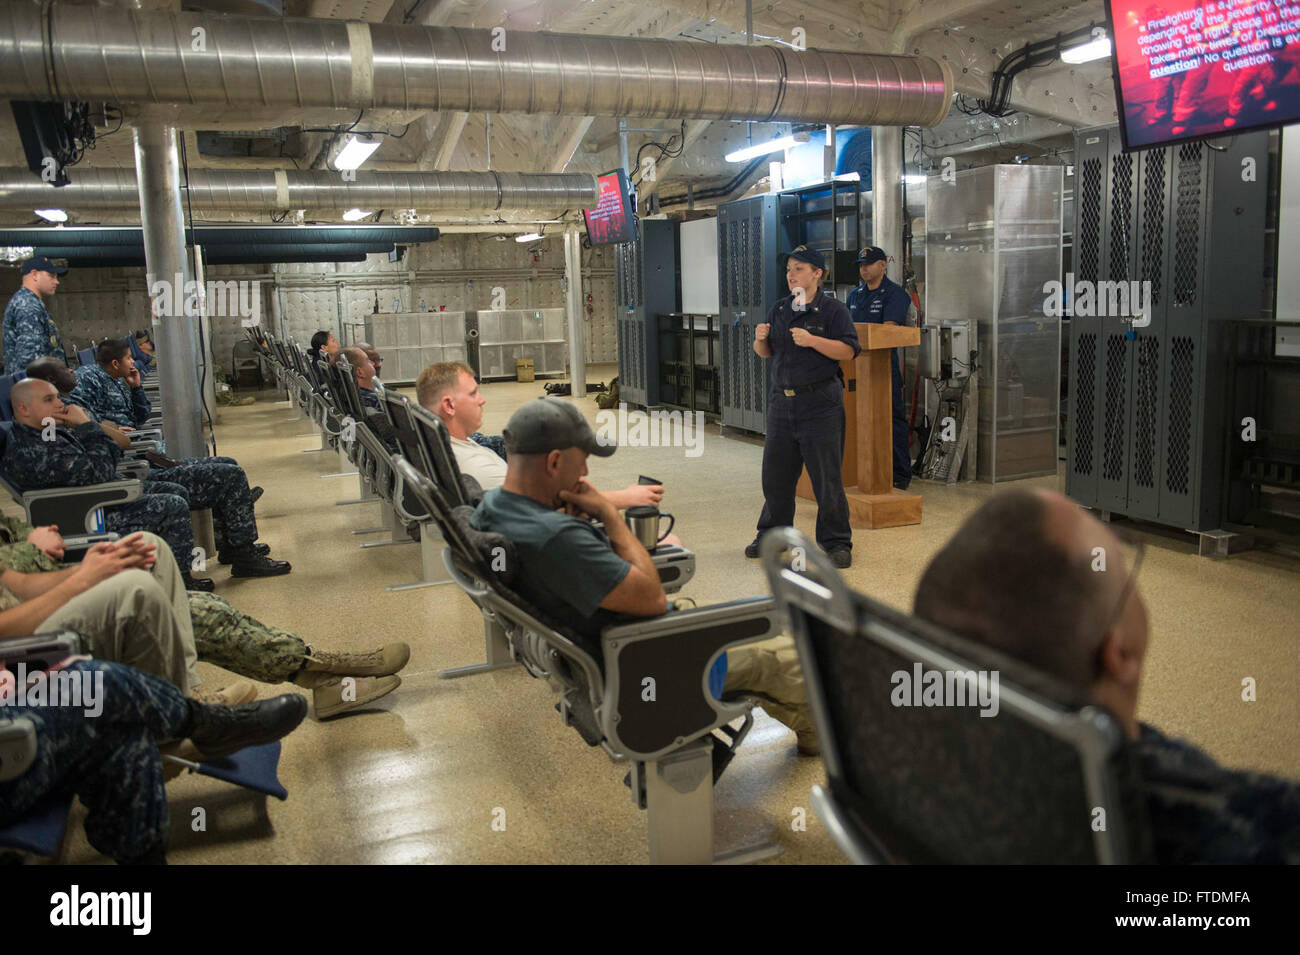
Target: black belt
column 803, row 389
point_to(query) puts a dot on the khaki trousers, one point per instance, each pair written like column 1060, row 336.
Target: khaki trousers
column 140, row 618
column 769, row 671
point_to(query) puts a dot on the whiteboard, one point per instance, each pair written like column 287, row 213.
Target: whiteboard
column 700, row 267
column 1288, row 244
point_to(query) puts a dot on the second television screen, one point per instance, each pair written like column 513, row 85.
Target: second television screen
column 1188, row 69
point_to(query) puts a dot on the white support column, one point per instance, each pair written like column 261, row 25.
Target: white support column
column 158, row 175
column 574, row 312
column 887, row 195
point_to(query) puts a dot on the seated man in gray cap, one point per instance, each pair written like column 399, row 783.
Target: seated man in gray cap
column 586, row 579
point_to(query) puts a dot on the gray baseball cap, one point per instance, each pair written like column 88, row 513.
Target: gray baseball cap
column 547, row 424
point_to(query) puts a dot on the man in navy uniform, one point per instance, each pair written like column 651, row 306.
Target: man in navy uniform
column 879, row 300
column 29, row 332
column 807, row 334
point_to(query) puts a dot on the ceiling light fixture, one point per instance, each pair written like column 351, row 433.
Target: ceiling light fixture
column 354, row 153
column 760, row 149
column 1097, row 48
column 52, row 215
column 529, row 237
column 356, row 215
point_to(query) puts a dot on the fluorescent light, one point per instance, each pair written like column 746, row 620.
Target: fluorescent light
column 354, row 153
column 356, row 215
column 914, row 180
column 848, row 177
column 530, row 237
column 760, row 149
column 52, row 215
column 1097, row 49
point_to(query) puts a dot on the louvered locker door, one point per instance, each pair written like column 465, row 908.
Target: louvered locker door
column 1148, row 394
column 1181, row 362
column 1116, row 357
column 1082, row 451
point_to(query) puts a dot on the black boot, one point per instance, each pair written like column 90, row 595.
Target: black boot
column 220, row 730
column 248, row 563
column 225, row 554
column 204, row 584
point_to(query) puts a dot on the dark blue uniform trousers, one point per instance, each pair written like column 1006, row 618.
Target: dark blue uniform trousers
column 807, row 430
column 902, row 433
column 111, row 762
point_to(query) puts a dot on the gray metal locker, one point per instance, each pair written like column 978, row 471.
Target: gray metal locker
column 1146, row 425
column 647, row 285
column 749, row 284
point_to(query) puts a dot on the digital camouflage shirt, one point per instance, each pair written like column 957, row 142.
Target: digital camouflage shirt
column 29, row 332
column 110, row 399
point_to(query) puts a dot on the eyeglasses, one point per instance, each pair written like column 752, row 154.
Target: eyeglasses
column 1132, row 552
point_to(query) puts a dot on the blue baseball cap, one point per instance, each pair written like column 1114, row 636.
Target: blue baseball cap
column 39, row 263
column 872, row 253
column 804, row 254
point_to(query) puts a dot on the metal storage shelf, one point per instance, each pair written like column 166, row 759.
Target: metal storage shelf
column 506, row 335
column 993, row 241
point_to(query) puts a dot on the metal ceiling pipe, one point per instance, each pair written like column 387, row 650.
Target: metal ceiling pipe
column 267, row 253
column 208, row 236
column 90, row 259
column 316, row 190
column 98, row 53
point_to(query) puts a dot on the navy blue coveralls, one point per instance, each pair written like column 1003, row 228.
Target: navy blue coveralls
column 805, row 419
column 889, row 303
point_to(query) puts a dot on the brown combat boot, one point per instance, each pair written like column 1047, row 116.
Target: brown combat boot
column 384, row 661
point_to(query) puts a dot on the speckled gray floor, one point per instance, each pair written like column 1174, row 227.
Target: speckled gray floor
column 422, row 777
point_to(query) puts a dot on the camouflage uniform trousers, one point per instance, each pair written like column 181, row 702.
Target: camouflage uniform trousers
column 163, row 509
column 222, row 635
column 110, row 762
column 223, row 487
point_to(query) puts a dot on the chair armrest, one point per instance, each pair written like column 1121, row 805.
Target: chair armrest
column 676, row 650
column 676, row 566
column 145, row 434
column 74, row 548
column 74, row 507
column 133, row 468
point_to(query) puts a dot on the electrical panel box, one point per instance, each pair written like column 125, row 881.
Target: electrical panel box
column 647, row 286
column 750, row 236
column 1183, row 227
column 945, row 352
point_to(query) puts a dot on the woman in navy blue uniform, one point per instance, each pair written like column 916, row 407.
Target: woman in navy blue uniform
column 807, row 334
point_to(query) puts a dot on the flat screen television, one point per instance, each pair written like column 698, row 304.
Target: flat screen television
column 612, row 220
column 1193, row 69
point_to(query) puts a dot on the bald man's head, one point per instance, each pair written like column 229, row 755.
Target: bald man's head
column 34, row 401
column 1023, row 576
column 55, row 372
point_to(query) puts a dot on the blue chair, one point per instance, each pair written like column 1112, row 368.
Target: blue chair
column 7, row 383
column 40, row 832
column 86, row 356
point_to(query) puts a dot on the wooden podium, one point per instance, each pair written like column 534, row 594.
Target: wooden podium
column 868, row 470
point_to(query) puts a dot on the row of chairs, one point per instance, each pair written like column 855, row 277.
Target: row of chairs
column 1049, row 779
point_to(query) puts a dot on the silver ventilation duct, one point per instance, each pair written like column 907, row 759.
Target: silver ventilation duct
column 317, row 190
column 104, row 53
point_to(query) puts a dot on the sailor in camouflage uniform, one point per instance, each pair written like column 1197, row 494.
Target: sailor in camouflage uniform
column 110, row 391
column 112, row 762
column 29, row 332
column 230, row 639
column 83, row 454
